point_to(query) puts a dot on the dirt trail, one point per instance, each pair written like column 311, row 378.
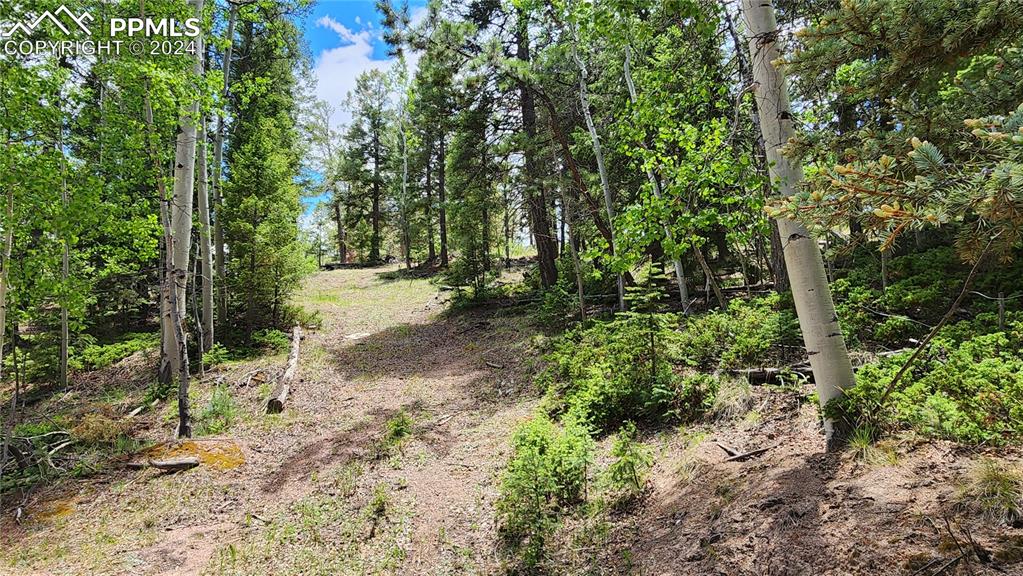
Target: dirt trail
column 322, row 490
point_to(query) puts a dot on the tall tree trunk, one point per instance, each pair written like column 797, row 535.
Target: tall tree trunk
column 566, row 215
column 205, row 249
column 598, row 152
column 218, row 184
column 431, row 254
column 342, row 246
column 507, row 226
column 777, row 257
column 680, row 273
column 442, row 213
column 175, row 353
column 822, row 334
column 539, row 219
column 374, row 241
column 184, row 184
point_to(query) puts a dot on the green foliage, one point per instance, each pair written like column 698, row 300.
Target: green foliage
column 379, row 503
column 627, row 473
column 968, row 392
column 271, row 340
column 749, row 334
column 608, row 372
column 639, row 366
column 94, row 356
column 995, row 490
column 219, row 414
column 546, row 475
column 218, row 354
column 399, row 428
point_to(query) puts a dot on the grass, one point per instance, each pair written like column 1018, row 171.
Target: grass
column 219, row 414
column 995, row 490
column 324, row 533
column 865, row 448
column 399, row 429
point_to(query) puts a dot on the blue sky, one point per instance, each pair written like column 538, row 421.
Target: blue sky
column 344, row 37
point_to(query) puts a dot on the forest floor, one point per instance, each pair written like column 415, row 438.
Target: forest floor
column 322, row 490
column 387, row 460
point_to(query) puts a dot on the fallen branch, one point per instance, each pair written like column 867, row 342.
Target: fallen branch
column 748, row 455
column 175, row 464
column 771, row 374
column 275, row 404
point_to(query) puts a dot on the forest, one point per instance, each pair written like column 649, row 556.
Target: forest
column 707, row 287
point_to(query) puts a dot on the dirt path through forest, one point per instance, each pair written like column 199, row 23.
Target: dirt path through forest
column 323, row 489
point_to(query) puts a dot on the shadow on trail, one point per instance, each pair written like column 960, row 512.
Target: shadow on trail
column 484, row 352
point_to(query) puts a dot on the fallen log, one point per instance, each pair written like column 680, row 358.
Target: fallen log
column 275, row 404
column 175, row 464
column 770, row 375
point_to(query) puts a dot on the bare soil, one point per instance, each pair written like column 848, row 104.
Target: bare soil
column 327, row 488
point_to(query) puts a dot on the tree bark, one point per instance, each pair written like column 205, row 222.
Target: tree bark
column 598, row 152
column 442, row 212
column 822, row 334
column 218, row 185
column 275, row 403
column 342, row 246
column 205, row 249
column 184, row 183
column 431, row 254
column 777, row 257
column 566, row 215
column 539, row 220
column 374, row 241
column 65, row 334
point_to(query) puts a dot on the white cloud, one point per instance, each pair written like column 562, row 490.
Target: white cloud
column 336, row 69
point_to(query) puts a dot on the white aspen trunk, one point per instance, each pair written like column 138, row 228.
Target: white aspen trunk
column 599, row 154
column 175, row 352
column 205, row 249
column 184, row 182
column 818, row 322
column 680, row 273
column 218, row 160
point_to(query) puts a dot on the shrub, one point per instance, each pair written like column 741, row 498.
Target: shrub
column 219, row 413
column 94, row 356
column 272, row 340
column 546, row 475
column 218, row 354
column 398, row 429
column 615, row 371
column 749, row 334
column 968, row 392
column 628, row 472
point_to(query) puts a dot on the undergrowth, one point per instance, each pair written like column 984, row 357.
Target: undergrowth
column 968, row 391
